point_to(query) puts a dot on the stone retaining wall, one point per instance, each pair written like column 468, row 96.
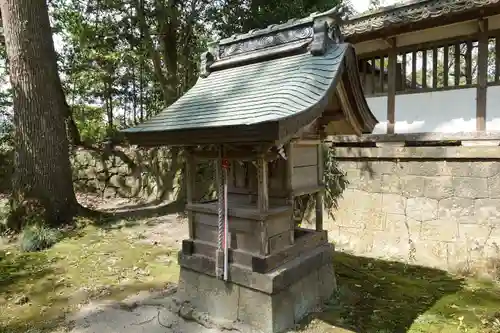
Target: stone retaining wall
column 435, row 206
column 126, row 172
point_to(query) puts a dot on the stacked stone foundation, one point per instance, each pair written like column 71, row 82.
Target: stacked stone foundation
column 270, row 303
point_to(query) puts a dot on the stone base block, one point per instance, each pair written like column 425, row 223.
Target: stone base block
column 271, row 309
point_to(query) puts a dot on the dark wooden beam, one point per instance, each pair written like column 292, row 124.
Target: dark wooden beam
column 373, row 90
column 434, row 67
column 236, row 155
column 424, row 68
column 391, row 89
column 265, row 132
column 446, row 60
column 403, row 71
column 414, row 69
column 457, row 70
column 320, row 194
column 482, row 76
column 468, row 63
column 190, row 184
column 497, row 58
column 381, row 78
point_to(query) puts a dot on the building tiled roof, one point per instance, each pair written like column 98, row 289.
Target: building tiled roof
column 284, row 73
column 254, row 93
column 408, row 12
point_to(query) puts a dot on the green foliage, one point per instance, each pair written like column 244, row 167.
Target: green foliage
column 90, row 122
column 37, row 237
column 335, row 179
column 335, row 182
column 232, row 17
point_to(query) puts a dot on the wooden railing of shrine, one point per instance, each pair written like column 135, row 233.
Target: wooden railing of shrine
column 461, row 62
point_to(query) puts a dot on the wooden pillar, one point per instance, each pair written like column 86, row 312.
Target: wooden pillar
column 263, row 202
column 457, row 71
column 497, row 59
column 482, row 76
column 391, row 93
column 289, row 187
column 190, row 183
column 319, row 194
column 446, row 50
column 263, row 189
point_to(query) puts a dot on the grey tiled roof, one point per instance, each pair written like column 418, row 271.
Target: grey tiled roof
column 250, row 94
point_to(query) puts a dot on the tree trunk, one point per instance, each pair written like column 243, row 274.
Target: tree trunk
column 42, row 167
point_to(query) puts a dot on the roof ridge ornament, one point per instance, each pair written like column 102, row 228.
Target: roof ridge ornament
column 206, row 60
column 320, row 39
column 326, row 28
column 314, row 32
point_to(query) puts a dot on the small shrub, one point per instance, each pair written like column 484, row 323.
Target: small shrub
column 37, row 238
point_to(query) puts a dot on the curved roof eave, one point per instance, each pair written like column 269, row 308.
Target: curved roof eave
column 407, row 13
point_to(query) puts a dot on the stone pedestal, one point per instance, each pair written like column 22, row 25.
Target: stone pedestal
column 271, row 302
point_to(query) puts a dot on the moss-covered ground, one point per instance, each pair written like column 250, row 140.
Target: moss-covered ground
column 375, row 296
column 38, row 289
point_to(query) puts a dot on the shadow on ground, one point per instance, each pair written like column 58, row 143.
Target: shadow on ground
column 382, row 296
column 25, row 269
column 132, row 215
column 52, row 319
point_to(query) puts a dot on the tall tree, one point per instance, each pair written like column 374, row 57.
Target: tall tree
column 42, row 167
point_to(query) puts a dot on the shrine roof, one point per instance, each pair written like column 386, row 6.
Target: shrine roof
column 282, row 77
column 411, row 12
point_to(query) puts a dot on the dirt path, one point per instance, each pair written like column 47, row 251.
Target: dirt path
column 144, row 312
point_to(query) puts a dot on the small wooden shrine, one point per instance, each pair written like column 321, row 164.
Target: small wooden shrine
column 262, row 104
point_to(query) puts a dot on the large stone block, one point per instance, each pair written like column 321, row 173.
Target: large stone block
column 327, row 282
column 487, row 210
column 370, row 183
column 479, row 169
column 417, row 168
column 348, row 165
column 267, row 312
column 456, row 208
column 438, row 187
column 375, row 169
column 394, row 246
column 396, row 223
column 188, row 284
column 439, row 230
column 305, row 294
column 392, row 184
column 494, row 186
column 476, row 232
column 421, row 209
column 217, row 297
column 393, row 203
column 363, row 218
column 467, row 187
column 431, row 253
column 413, row 186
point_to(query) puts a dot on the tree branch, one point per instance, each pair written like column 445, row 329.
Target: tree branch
column 153, row 52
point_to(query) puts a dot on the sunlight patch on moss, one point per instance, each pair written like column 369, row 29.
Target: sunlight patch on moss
column 379, row 296
column 39, row 288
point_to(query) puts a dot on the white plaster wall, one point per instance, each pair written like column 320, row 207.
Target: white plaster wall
column 440, row 111
column 378, row 106
column 493, row 109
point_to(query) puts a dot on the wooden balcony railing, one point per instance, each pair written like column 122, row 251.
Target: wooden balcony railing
column 472, row 62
